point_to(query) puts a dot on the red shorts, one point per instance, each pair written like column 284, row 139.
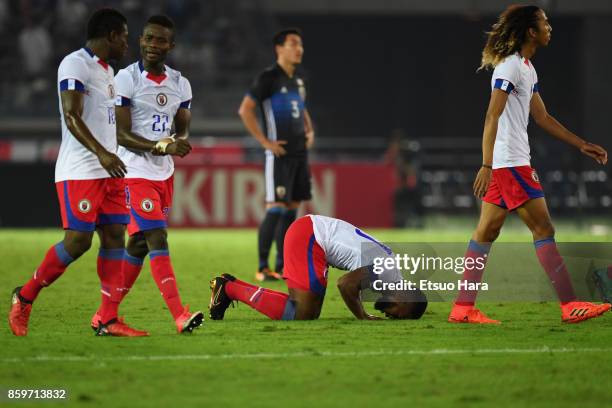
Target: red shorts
column 511, row 187
column 150, row 203
column 87, row 203
column 305, row 264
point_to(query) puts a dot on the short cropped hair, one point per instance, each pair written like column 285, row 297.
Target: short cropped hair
column 161, row 20
column 104, row 21
column 281, row 36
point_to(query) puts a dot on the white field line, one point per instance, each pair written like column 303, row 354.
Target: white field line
column 323, row 354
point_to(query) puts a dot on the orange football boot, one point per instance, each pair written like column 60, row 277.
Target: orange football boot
column 118, row 328
column 188, row 321
column 19, row 315
column 267, row 275
column 469, row 314
column 576, row 312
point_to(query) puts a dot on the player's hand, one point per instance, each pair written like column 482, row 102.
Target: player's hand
column 276, row 147
column 481, row 184
column 162, row 145
column 595, row 152
column 180, row 147
column 309, row 139
column 112, row 164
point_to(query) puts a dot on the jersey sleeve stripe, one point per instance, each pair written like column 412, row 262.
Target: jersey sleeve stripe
column 185, row 105
column 504, row 85
column 123, row 101
column 71, row 85
column 536, row 87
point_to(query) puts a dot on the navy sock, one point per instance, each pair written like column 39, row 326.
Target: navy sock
column 266, row 234
column 286, row 219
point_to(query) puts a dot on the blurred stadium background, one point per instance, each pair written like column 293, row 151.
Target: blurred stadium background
column 396, row 101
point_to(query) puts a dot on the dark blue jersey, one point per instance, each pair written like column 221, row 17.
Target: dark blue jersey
column 282, row 101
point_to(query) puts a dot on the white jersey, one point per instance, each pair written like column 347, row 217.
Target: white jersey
column 348, row 248
column 154, row 101
column 517, row 77
column 84, row 72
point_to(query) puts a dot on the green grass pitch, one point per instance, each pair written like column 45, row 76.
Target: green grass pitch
column 532, row 359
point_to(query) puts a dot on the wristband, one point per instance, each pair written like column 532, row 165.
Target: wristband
column 161, row 145
column 486, row 166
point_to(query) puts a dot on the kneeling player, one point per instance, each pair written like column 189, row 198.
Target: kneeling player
column 311, row 244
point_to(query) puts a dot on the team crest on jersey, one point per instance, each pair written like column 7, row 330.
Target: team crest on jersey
column 281, row 191
column 147, row 205
column 535, row 177
column 84, row 206
column 284, row 89
column 111, row 91
column 162, row 99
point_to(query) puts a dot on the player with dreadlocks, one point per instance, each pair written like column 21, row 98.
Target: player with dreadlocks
column 506, row 181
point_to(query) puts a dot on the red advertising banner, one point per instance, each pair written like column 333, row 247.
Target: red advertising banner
column 220, row 195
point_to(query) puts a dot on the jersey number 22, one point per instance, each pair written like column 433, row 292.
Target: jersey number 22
column 160, row 123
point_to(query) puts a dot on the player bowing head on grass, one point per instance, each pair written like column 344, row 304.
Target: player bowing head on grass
column 152, row 99
column 279, row 93
column 506, row 181
column 311, row 244
column 88, row 174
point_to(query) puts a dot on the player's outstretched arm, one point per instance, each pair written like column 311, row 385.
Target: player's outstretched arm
column 556, row 129
column 349, row 286
column 309, row 128
column 249, row 118
column 497, row 103
column 72, row 108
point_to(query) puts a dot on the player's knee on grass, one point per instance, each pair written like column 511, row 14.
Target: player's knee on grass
column 307, row 304
column 137, row 245
column 306, row 312
column 76, row 243
column 156, row 239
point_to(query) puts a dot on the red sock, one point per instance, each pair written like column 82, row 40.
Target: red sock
column 53, row 265
column 131, row 268
column 475, row 260
column 163, row 274
column 111, row 282
column 269, row 302
column 552, row 262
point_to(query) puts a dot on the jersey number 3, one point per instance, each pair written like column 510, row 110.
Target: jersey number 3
column 295, row 109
